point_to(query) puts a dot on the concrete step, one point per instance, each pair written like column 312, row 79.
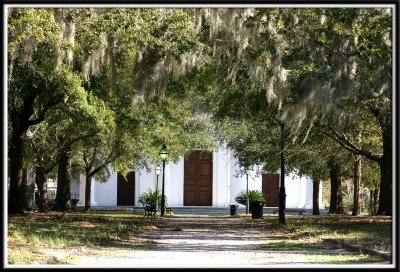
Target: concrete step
column 198, row 210
column 226, row 211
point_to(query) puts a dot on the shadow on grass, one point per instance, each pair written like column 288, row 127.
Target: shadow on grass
column 119, row 230
column 70, row 229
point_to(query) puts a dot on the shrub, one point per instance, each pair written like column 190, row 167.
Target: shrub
column 149, row 198
column 254, row 195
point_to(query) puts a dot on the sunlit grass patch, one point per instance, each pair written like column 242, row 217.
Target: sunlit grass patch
column 316, row 253
column 289, row 245
column 362, row 234
column 60, row 230
column 342, row 258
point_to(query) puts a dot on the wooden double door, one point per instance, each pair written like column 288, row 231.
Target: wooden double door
column 198, row 168
column 270, row 189
column 126, row 189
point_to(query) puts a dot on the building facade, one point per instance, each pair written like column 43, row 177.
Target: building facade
column 200, row 179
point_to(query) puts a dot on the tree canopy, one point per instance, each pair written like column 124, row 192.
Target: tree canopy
column 109, row 86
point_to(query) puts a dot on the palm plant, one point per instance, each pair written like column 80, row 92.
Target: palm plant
column 148, row 198
column 254, row 195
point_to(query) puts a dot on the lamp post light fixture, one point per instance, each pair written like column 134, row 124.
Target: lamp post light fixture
column 158, row 172
column 248, row 172
column 163, row 156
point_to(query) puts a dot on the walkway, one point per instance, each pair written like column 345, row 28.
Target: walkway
column 205, row 241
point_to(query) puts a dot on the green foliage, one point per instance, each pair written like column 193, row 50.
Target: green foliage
column 92, row 75
column 149, row 198
column 370, row 174
column 254, row 195
column 123, row 101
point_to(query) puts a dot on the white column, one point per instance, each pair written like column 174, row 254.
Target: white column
column 167, row 184
column 215, row 178
column 302, row 191
column 228, row 182
column 309, row 194
column 82, row 183
column 93, row 193
column 176, row 183
column 321, row 203
column 137, row 186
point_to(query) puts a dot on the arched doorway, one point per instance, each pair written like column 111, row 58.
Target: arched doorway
column 198, row 179
column 126, row 189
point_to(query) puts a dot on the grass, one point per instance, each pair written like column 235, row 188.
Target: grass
column 33, row 237
column 370, row 238
column 374, row 233
column 28, row 233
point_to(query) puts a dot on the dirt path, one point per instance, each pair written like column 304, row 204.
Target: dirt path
column 208, row 241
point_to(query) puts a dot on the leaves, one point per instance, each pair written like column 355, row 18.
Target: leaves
column 254, row 195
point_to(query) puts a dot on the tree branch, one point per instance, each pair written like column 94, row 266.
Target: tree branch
column 48, row 169
column 347, row 144
column 98, row 168
column 42, row 113
column 110, row 158
column 83, row 136
column 91, row 161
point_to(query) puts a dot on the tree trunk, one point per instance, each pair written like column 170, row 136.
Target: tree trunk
column 41, row 182
column 339, row 207
column 28, row 185
column 63, row 194
column 20, row 122
column 88, row 189
column 334, row 172
column 20, row 118
column 316, row 197
column 16, row 151
column 385, row 195
column 356, row 184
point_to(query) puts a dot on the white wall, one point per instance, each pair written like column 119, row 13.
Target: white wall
column 105, row 193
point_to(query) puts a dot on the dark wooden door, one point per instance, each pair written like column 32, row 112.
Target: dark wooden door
column 126, row 189
column 270, row 189
column 198, row 179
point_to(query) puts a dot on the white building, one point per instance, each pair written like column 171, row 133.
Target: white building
column 201, row 179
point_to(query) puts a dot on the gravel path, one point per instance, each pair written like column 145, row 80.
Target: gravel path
column 203, row 241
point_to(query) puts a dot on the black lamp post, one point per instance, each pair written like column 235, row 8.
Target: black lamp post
column 158, row 172
column 163, row 156
column 282, row 193
column 247, row 171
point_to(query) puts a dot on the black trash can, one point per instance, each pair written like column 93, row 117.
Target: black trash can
column 233, row 209
column 257, row 209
